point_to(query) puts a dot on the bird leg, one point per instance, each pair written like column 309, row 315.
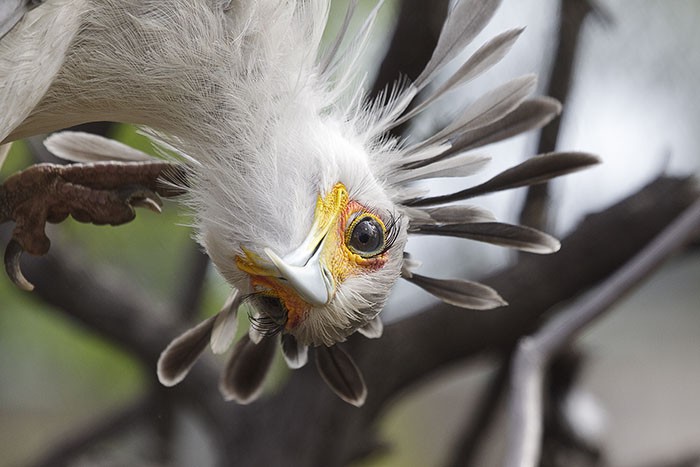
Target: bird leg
column 98, row 193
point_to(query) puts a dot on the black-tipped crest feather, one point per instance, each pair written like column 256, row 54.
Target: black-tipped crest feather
column 226, row 324
column 529, row 115
column 450, row 215
column 341, row 374
column 496, row 233
column 295, row 354
column 178, row 358
column 534, row 170
column 487, row 109
column 466, row 19
column 483, row 59
column 460, row 293
column 462, row 165
column 373, row 329
column 247, row 368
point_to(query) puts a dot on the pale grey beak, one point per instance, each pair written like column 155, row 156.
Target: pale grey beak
column 309, row 277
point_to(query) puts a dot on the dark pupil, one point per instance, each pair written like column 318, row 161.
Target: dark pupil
column 367, row 236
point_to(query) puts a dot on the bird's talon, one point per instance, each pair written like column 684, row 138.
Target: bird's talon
column 13, row 252
column 146, row 199
column 97, row 194
column 147, row 203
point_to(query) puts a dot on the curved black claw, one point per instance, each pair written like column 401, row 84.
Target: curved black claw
column 13, row 253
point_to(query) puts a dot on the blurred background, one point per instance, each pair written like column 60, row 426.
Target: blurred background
column 633, row 101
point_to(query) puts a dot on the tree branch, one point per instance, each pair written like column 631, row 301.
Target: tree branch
column 601, row 244
column 535, row 351
column 489, row 401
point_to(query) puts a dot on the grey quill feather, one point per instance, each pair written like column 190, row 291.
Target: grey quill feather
column 341, row 374
column 245, row 372
column 460, row 293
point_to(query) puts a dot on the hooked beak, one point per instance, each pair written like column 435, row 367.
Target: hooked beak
column 312, row 281
column 305, row 268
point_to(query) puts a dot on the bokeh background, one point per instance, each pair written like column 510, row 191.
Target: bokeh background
column 634, row 101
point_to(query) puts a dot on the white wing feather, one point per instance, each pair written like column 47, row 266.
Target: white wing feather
column 41, row 39
column 76, row 146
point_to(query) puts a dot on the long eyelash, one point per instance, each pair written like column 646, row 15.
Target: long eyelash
column 392, row 231
column 264, row 323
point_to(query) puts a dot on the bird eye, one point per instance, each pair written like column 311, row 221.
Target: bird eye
column 366, row 236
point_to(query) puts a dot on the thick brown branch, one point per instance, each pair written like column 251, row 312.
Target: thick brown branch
column 104, row 301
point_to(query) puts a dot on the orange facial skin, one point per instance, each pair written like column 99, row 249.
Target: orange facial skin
column 336, row 256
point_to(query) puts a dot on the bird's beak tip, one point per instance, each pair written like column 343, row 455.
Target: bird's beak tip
column 308, row 280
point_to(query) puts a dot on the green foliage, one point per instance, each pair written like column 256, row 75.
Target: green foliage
column 18, row 158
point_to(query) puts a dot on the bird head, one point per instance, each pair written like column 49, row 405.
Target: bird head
column 337, row 279
column 302, row 223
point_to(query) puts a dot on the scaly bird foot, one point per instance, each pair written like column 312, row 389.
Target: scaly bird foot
column 99, row 193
